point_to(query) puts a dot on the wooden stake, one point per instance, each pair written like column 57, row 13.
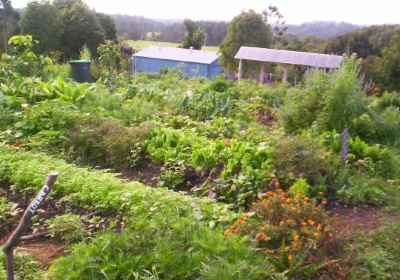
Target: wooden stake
column 15, row 237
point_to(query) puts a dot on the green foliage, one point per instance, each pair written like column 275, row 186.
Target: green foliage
column 290, row 230
column 194, row 37
column 358, row 189
column 300, row 157
column 159, row 244
column 379, row 253
column 162, row 224
column 172, row 173
column 68, row 227
column 246, row 29
column 26, row 268
column 21, row 59
column 332, row 100
column 301, row 187
column 108, row 24
column 105, row 143
column 81, row 27
column 110, row 56
column 44, row 22
column 8, row 210
column 85, row 53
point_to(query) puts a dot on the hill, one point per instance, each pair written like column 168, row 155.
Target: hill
column 323, row 29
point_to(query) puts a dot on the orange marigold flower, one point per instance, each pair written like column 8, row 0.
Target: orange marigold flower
column 275, row 228
column 293, row 208
column 261, row 236
column 296, row 237
column 324, row 202
column 304, row 224
column 316, row 234
column 321, row 193
column 273, row 270
column 264, row 228
column 306, row 198
column 277, row 184
column 270, row 193
column 330, row 235
column 307, row 232
column 310, row 222
column 336, row 215
column 281, row 223
column 288, row 222
column 290, row 257
column 288, row 200
column 287, row 248
column 319, row 227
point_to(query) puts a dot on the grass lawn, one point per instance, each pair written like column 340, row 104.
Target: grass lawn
column 138, row 45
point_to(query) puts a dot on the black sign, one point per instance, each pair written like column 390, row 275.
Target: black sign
column 345, row 146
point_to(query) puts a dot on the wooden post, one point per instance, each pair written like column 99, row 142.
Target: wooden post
column 15, row 237
column 285, row 73
column 240, row 72
column 344, row 146
column 262, row 73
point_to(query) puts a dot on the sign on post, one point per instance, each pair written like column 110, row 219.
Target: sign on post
column 15, row 237
column 344, row 151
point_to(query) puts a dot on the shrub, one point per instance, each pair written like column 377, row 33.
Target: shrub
column 331, row 100
column 105, row 143
column 300, row 157
column 291, row 230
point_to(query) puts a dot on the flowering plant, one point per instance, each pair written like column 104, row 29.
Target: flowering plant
column 292, row 230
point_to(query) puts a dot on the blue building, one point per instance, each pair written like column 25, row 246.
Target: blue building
column 194, row 63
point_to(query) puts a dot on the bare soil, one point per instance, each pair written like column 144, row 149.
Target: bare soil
column 145, row 173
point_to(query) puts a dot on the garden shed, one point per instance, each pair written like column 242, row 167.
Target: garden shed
column 194, row 63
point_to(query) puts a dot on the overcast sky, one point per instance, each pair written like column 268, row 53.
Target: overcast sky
column 295, row 11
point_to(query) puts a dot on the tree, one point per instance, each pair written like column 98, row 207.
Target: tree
column 7, row 16
column 44, row 22
column 108, row 25
column 81, row 27
column 194, row 37
column 388, row 67
column 65, row 4
column 247, row 29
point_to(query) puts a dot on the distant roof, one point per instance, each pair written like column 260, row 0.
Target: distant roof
column 178, row 54
column 289, row 57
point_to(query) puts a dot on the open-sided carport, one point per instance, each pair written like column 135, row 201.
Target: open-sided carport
column 285, row 57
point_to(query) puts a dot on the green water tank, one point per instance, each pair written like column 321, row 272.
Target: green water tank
column 81, row 70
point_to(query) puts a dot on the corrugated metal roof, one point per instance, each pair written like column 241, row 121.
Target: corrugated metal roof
column 178, row 54
column 289, row 57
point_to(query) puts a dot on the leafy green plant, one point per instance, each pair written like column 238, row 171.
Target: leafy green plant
column 68, row 227
column 172, row 173
column 85, row 53
column 300, row 157
column 8, row 210
column 22, row 59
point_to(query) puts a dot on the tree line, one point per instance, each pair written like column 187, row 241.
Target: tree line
column 63, row 26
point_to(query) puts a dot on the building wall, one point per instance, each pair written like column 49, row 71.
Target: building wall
column 144, row 64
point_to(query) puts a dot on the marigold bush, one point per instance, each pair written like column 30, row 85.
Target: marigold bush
column 292, row 230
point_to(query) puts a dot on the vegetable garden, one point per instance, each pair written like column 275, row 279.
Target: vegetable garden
column 164, row 177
